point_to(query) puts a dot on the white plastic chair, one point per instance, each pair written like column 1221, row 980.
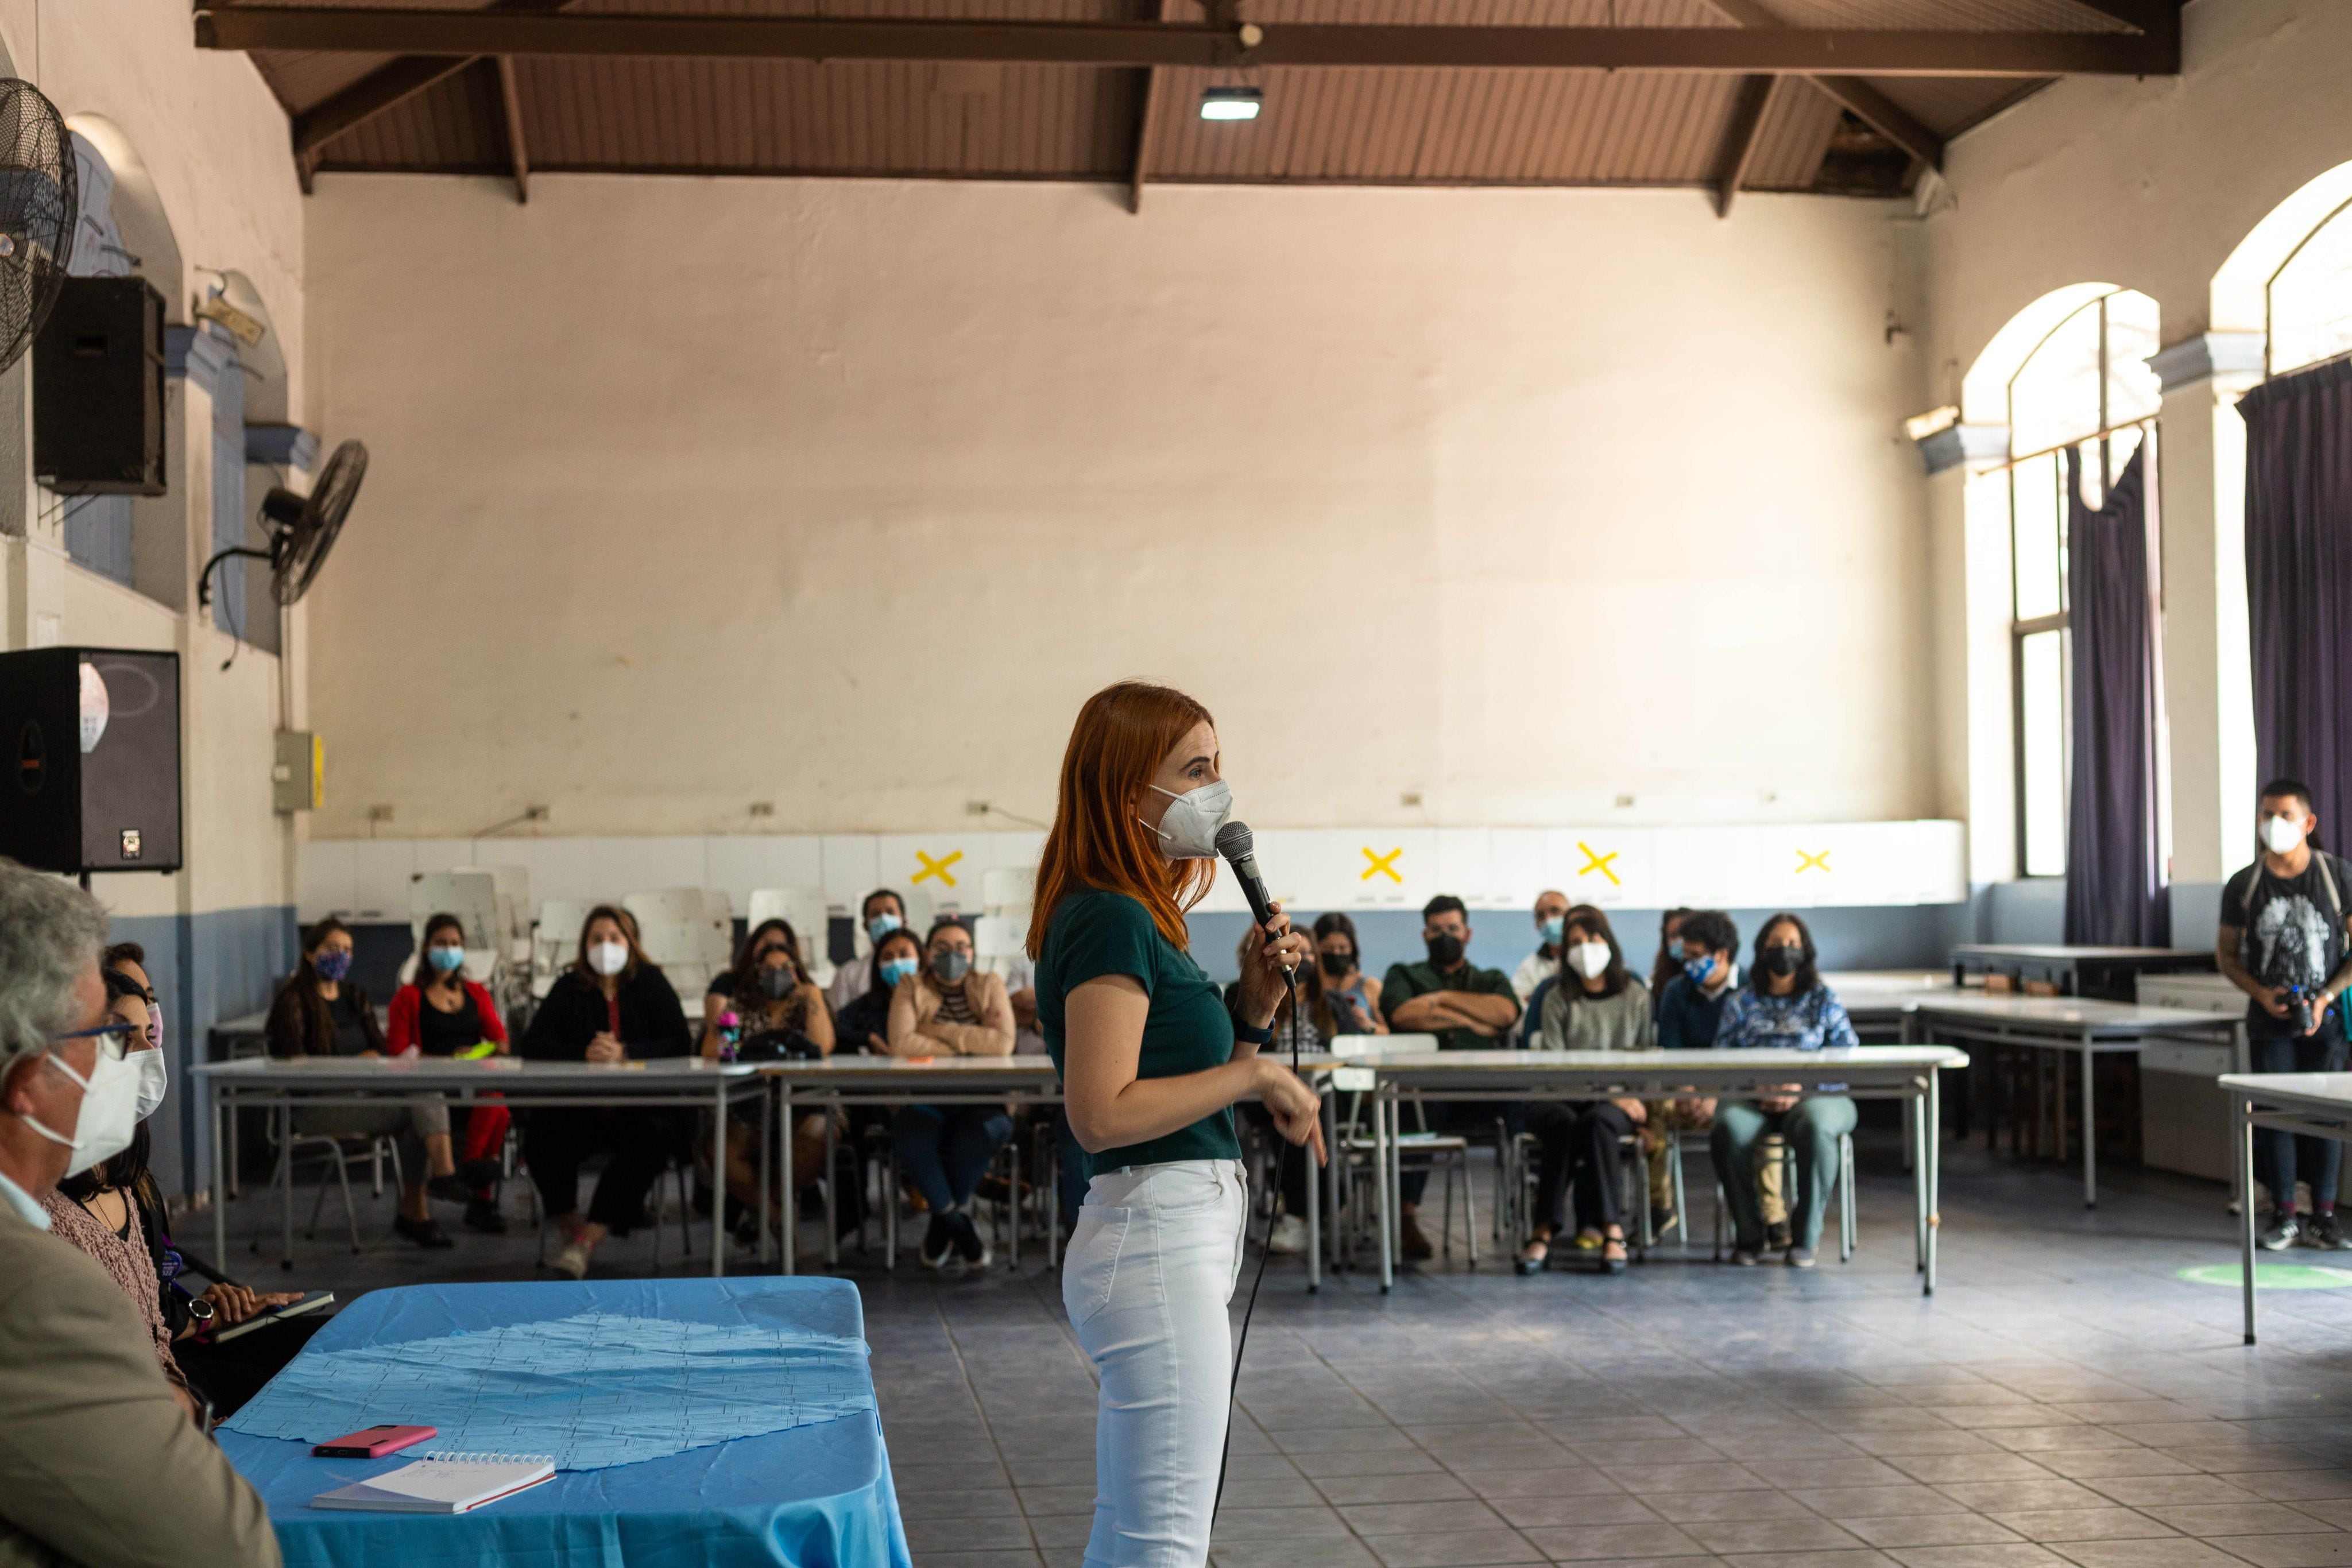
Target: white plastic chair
column 1003, row 890
column 555, row 940
column 513, row 884
column 997, row 941
column 473, row 897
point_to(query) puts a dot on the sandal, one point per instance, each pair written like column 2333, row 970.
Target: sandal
column 1609, row 1265
column 1533, row 1255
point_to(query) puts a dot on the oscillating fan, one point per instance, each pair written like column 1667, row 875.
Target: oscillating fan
column 39, row 205
column 303, row 528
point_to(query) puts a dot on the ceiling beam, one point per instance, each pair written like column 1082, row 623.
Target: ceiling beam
column 518, row 149
column 2151, row 17
column 1739, row 139
column 390, row 84
column 1869, row 105
column 1146, row 114
column 1741, row 50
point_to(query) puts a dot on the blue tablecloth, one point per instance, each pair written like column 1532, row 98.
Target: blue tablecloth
column 812, row 1497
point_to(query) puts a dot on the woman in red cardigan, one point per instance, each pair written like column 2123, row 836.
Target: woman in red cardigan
column 441, row 1013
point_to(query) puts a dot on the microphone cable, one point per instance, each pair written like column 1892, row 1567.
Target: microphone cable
column 1241, row 1343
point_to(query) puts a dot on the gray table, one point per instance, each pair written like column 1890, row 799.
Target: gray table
column 674, row 1082
column 2308, row 1104
column 1906, row 1072
column 2061, row 1025
column 1880, row 1001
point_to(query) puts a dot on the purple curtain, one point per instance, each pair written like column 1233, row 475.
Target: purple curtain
column 2299, row 585
column 2115, row 876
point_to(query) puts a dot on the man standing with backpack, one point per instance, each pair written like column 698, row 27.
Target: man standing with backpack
column 2282, row 941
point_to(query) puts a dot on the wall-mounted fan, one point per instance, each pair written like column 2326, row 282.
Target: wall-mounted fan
column 303, row 528
column 39, row 205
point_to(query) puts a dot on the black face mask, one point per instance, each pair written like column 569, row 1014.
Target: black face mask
column 1783, row 961
column 1444, row 949
column 779, row 982
column 1336, row 965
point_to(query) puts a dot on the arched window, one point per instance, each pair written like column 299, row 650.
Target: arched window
column 2307, row 305
column 2085, row 386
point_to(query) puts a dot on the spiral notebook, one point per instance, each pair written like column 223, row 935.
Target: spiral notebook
column 443, row 1483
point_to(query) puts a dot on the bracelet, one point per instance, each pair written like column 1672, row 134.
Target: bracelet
column 1251, row 1034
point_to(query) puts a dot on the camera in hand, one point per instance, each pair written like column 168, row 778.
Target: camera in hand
column 2303, row 1005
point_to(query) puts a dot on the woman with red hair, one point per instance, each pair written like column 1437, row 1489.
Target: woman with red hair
column 1151, row 1063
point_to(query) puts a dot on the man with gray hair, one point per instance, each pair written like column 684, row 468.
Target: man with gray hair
column 104, row 1465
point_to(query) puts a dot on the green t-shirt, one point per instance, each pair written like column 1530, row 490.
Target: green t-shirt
column 1095, row 933
column 1406, row 981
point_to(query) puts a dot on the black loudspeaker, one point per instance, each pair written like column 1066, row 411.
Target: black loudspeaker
column 97, row 389
column 92, row 738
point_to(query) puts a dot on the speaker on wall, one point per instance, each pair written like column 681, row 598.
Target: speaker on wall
column 92, row 738
column 97, row 389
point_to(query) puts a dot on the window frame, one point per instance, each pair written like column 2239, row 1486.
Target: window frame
column 2342, row 209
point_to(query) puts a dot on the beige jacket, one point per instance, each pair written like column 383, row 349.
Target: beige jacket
column 917, row 1029
column 103, row 1468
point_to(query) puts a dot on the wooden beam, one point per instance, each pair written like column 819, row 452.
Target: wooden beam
column 1147, row 115
column 518, row 151
column 2152, row 16
column 1740, row 50
column 1869, row 105
column 395, row 82
column 1739, row 139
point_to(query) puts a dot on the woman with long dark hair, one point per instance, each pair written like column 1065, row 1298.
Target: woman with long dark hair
column 1354, row 996
column 440, row 1012
column 1151, row 1063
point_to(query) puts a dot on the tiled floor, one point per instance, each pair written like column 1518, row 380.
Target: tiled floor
column 2065, row 1397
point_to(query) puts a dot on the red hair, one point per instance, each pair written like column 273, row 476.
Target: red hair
column 1121, row 736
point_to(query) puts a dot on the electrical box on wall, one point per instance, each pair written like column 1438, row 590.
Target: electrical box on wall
column 299, row 781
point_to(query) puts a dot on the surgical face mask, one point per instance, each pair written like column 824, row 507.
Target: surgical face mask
column 1444, row 949
column 1783, row 961
column 1188, row 830
column 896, row 969
column 153, row 1079
column 445, row 959
column 331, row 964
column 609, row 958
column 948, row 966
column 2281, row 834
column 1552, row 927
column 108, row 1115
column 881, row 925
column 1336, row 965
column 780, row 981
column 1590, row 960
column 1700, row 969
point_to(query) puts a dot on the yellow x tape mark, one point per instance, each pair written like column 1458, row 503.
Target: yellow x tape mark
column 1595, row 861
column 1384, row 865
column 938, row 868
column 1806, row 862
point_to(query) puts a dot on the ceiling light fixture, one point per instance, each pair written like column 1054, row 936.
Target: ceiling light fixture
column 1231, row 103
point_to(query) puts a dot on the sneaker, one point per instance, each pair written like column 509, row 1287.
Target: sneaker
column 1417, row 1249
column 482, row 1214
column 423, row 1232
column 1800, row 1257
column 2280, row 1236
column 1777, row 1237
column 938, row 1241
column 1744, row 1257
column 2325, row 1235
column 970, row 1245
column 1288, row 1238
column 1662, row 1223
column 573, row 1260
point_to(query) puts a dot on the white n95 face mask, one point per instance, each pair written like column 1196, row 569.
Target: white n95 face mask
column 2281, row 834
column 1188, row 830
column 608, row 957
column 1590, row 960
column 155, row 1079
column 110, row 1099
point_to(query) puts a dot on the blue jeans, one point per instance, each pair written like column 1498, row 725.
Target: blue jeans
column 2280, row 1157
column 1813, row 1127
column 945, row 1149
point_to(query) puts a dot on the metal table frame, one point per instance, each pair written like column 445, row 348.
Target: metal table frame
column 2086, row 1026
column 680, row 1083
column 2284, row 1102
column 1871, row 1072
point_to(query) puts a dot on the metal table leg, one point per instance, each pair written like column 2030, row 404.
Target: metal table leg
column 832, row 1198
column 220, row 1113
column 1381, row 1099
column 285, row 1179
column 1933, row 1156
column 767, row 1161
column 2245, row 1162
column 1315, row 1209
column 792, row 1217
column 1915, row 1121
column 2090, row 1131
column 717, row 1198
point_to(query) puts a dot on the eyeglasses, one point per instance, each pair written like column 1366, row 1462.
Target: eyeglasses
column 113, row 1039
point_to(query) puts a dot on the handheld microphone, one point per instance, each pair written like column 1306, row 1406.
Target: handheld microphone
column 1235, row 843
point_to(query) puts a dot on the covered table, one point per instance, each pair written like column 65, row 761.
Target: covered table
column 810, row 1496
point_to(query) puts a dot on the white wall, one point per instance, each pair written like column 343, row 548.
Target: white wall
column 840, row 496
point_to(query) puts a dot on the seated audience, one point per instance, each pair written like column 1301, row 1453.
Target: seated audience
column 1306, row 1022
column 1669, row 961
column 440, row 1012
column 1354, row 996
column 1552, row 908
column 882, row 912
column 105, row 1461
column 613, row 1005
column 1467, row 1007
column 1692, row 1004
column 321, row 1011
column 950, row 1008
column 1594, row 1005
column 777, row 1011
column 1783, row 1007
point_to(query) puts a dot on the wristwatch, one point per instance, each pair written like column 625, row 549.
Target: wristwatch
column 1251, row 1034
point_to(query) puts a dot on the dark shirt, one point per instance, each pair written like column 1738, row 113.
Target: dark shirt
column 2291, row 933
column 1406, row 981
column 1688, row 1017
column 342, row 1027
column 575, row 1012
column 867, row 1017
column 445, row 1034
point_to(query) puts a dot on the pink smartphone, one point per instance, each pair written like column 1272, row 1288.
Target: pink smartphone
column 373, row 1442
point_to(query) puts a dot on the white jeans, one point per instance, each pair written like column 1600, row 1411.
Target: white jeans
column 1151, row 1266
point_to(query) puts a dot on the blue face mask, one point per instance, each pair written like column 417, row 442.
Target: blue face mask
column 881, row 925
column 1552, row 927
column 896, row 969
column 331, row 965
column 445, row 959
column 1699, row 970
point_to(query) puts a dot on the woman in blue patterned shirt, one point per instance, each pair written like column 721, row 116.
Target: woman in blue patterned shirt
column 1783, row 1007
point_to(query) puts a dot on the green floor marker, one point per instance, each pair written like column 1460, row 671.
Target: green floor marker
column 2272, row 1276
